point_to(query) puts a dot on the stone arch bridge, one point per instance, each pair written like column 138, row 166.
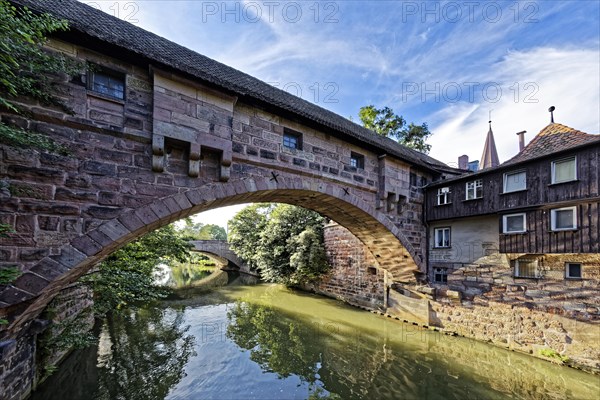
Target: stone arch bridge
column 186, row 135
column 220, row 249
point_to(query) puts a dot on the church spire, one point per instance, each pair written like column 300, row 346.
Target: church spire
column 489, row 158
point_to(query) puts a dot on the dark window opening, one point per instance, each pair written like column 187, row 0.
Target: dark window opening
column 573, row 270
column 372, row 270
column 440, row 275
column 357, row 160
column 292, row 139
column 106, row 82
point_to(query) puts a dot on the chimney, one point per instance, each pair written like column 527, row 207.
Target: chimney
column 463, row 162
column 521, row 136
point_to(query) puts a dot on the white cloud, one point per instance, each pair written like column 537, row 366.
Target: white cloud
column 566, row 78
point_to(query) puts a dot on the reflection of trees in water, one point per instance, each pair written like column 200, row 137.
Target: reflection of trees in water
column 143, row 354
column 184, row 274
column 277, row 343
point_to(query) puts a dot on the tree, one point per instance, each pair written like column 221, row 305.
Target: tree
column 284, row 243
column 245, row 232
column 127, row 275
column 26, row 69
column 386, row 123
column 199, row 231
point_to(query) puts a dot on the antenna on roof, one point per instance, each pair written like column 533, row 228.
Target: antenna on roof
column 551, row 109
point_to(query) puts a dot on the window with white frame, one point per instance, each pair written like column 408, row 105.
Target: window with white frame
column 474, row 189
column 440, row 275
column 514, row 223
column 441, row 237
column 443, row 196
column 526, row 268
column 515, row 181
column 573, row 270
column 563, row 218
column 564, row 170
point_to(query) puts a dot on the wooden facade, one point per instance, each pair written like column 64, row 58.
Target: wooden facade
column 536, row 202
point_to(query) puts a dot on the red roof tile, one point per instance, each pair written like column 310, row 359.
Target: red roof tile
column 553, row 138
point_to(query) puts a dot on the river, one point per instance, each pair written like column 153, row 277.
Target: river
column 268, row 342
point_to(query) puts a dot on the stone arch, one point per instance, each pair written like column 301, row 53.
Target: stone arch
column 219, row 250
column 388, row 244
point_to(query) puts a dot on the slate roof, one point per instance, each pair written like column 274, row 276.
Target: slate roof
column 489, row 158
column 158, row 50
column 554, row 138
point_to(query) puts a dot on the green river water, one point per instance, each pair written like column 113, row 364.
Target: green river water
column 268, row 342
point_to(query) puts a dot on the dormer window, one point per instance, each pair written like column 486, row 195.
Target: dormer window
column 564, row 170
column 443, row 196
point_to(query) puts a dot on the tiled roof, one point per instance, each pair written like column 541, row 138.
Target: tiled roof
column 158, row 50
column 553, row 138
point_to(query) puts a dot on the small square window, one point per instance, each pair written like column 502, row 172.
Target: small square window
column 564, row 170
column 514, row 223
column 573, row 270
column 440, row 275
column 562, row 219
column 474, row 189
column 441, row 237
column 443, row 196
column 292, row 139
column 357, row 160
column 515, row 181
column 526, row 268
column 106, row 82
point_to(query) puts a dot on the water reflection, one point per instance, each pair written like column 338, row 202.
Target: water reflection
column 266, row 342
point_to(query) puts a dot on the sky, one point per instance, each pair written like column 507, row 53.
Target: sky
column 450, row 64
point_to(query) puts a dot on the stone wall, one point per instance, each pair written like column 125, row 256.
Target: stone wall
column 29, row 359
column 355, row 278
column 484, row 300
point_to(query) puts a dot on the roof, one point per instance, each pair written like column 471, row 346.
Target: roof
column 151, row 47
column 489, row 158
column 554, row 138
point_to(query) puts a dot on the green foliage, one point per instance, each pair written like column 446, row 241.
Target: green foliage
column 245, row 230
column 18, row 137
column 72, row 334
column 199, row 231
column 27, row 69
column 385, row 122
column 185, row 274
column 554, row 356
column 149, row 351
column 127, row 276
column 284, row 243
column 9, row 274
column 6, row 230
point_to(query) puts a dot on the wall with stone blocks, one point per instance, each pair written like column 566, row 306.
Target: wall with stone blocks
column 355, row 278
column 25, row 360
column 484, row 301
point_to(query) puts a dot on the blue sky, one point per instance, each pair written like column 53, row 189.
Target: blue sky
column 445, row 63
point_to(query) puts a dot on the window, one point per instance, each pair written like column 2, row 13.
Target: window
column 513, row 223
column 573, row 270
column 443, row 196
column 440, row 275
column 441, row 237
column 292, row 139
column 526, row 268
column 563, row 218
column 357, row 160
column 564, row 170
column 515, row 181
column 106, row 82
column 474, row 189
